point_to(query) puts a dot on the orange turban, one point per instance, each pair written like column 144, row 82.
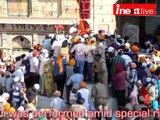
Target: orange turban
column 72, row 62
column 35, row 47
column 152, row 70
column 135, row 48
column 142, row 59
column 7, row 107
column 82, row 84
column 159, row 76
column 75, row 40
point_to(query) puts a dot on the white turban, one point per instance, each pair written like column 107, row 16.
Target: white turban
column 110, row 49
column 5, row 95
column 127, row 45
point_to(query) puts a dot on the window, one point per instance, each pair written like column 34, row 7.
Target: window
column 18, row 7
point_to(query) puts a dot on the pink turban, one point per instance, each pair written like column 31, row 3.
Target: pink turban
column 133, row 65
column 36, row 53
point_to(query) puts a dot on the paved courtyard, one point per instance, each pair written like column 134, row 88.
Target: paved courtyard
column 44, row 102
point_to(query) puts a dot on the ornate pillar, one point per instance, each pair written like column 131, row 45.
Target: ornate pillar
column 34, row 40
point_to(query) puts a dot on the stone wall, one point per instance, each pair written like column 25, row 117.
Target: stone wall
column 3, row 8
column 103, row 17
column 47, row 8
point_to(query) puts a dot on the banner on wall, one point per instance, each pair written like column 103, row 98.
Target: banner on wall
column 84, row 8
column 132, row 31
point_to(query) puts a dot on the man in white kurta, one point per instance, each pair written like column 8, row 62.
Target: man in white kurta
column 41, row 70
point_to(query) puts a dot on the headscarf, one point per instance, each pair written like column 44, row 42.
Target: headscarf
column 155, row 104
column 120, row 68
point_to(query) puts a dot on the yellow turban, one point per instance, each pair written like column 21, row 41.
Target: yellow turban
column 158, row 54
column 72, row 62
column 12, row 109
column 7, row 107
column 142, row 59
column 75, row 40
column 154, row 68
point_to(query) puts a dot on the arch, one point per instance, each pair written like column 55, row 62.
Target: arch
column 21, row 42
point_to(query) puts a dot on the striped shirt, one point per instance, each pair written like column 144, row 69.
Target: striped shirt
column 116, row 60
column 17, row 87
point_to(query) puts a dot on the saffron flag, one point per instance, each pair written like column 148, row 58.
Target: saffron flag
column 84, row 27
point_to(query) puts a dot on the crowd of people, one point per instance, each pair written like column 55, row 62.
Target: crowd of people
column 63, row 65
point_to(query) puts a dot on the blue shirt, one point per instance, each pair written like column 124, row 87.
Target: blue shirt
column 75, row 79
column 57, row 73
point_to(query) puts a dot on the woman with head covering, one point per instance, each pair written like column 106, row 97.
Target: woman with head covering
column 85, row 94
column 152, row 88
column 119, row 80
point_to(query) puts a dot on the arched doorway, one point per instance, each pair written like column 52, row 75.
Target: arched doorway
column 20, row 45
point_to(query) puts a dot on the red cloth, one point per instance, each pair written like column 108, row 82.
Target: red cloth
column 119, row 80
column 145, row 94
column 84, row 27
column 59, row 27
column 120, row 68
column 36, row 53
